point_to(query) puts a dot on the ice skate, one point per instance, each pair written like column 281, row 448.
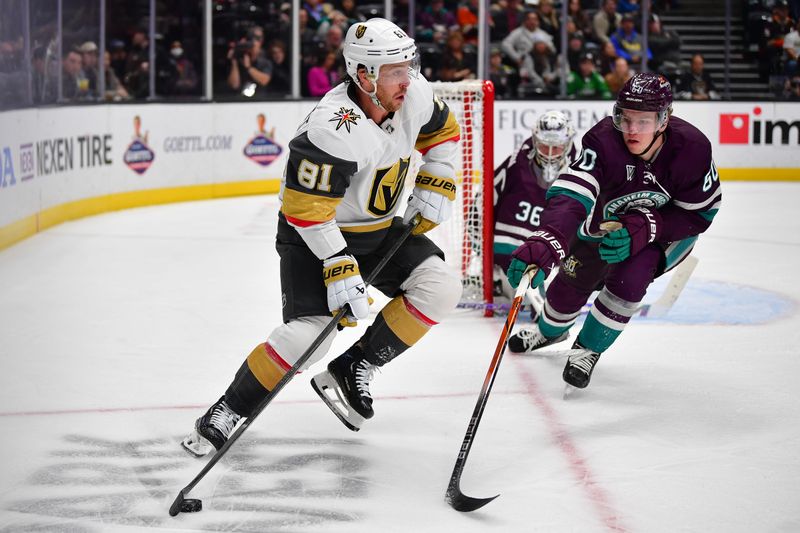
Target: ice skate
column 526, row 340
column 580, row 366
column 344, row 387
column 211, row 430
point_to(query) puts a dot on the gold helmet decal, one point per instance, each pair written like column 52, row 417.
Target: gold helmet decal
column 360, row 30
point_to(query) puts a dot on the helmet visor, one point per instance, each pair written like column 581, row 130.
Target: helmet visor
column 405, row 72
column 635, row 122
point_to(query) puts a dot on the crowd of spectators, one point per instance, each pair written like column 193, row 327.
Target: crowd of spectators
column 773, row 34
column 250, row 53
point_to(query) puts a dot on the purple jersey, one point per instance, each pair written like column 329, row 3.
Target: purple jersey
column 519, row 198
column 606, row 180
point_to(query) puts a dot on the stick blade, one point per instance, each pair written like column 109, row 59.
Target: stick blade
column 175, row 508
column 463, row 503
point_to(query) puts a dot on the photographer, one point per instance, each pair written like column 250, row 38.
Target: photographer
column 250, row 71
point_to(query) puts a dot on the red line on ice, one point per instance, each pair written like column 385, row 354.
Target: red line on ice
column 578, row 465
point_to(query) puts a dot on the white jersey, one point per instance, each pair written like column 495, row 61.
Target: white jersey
column 346, row 171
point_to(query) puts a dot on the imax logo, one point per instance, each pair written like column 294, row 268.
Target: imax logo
column 741, row 128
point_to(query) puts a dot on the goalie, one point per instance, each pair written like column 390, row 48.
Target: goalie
column 628, row 209
column 339, row 200
column 520, row 186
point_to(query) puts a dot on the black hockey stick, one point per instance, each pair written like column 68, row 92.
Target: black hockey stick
column 175, row 508
column 457, row 499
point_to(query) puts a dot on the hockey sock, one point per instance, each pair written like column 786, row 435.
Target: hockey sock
column 257, row 376
column 596, row 336
column 397, row 327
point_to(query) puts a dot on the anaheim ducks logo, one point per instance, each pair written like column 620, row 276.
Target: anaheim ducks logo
column 387, row 186
column 345, row 117
column 360, row 31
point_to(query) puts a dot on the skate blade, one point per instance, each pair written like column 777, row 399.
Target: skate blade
column 328, row 390
column 197, row 445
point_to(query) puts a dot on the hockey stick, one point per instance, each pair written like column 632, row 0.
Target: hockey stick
column 657, row 309
column 457, row 499
column 175, row 508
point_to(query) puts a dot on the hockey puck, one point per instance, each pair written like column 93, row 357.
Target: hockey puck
column 191, row 505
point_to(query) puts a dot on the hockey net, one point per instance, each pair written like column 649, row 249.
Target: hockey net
column 467, row 237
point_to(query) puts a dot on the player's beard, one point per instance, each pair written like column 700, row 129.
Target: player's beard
column 388, row 97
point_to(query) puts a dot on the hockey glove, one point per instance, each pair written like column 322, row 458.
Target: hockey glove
column 432, row 198
column 345, row 288
column 543, row 249
column 640, row 227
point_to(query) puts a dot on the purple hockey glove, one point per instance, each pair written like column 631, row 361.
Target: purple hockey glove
column 640, row 227
column 543, row 248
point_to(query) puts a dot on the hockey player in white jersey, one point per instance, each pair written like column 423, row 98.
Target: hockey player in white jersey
column 339, row 214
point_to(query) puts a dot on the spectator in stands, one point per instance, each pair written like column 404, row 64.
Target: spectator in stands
column 576, row 46
column 334, row 39
column 74, row 84
column 548, row 17
column 323, row 76
column 791, row 90
column 435, row 20
column 467, row 18
column 456, row 65
column 39, row 75
column 616, row 79
column 352, row 13
column 90, row 66
column 119, row 57
column 629, row 43
column 778, row 27
column 506, row 17
column 608, row 58
column 519, row 42
column 580, row 18
column 504, row 78
column 628, row 6
column 791, row 49
column 697, row 84
column 137, row 66
column 665, row 45
column 538, row 73
column 281, row 82
column 114, row 89
column 183, row 80
column 606, row 21
column 250, row 71
column 334, row 18
column 586, row 83
column 316, row 12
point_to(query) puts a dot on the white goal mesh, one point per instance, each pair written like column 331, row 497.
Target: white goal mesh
column 466, row 237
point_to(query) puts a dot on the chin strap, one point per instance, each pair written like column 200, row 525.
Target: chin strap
column 373, row 95
column 655, row 138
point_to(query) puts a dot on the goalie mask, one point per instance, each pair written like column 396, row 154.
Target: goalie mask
column 552, row 141
column 374, row 43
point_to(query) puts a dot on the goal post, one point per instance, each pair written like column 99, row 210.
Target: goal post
column 467, row 237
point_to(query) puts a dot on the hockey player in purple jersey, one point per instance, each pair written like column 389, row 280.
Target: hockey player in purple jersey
column 520, row 185
column 628, row 209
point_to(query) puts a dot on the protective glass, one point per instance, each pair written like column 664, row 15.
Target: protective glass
column 635, row 122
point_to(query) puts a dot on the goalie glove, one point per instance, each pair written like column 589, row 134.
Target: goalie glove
column 432, row 198
column 640, row 227
column 345, row 288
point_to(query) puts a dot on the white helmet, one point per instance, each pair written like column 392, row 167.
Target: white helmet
column 377, row 42
column 552, row 141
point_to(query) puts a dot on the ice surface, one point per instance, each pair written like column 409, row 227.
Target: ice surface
column 117, row 331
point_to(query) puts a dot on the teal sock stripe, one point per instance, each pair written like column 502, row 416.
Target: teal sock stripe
column 551, row 331
column 596, row 336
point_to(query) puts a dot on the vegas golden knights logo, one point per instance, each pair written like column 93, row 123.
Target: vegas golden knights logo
column 387, row 185
column 360, row 30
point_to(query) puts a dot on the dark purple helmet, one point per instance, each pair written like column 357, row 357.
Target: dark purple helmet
column 645, row 91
